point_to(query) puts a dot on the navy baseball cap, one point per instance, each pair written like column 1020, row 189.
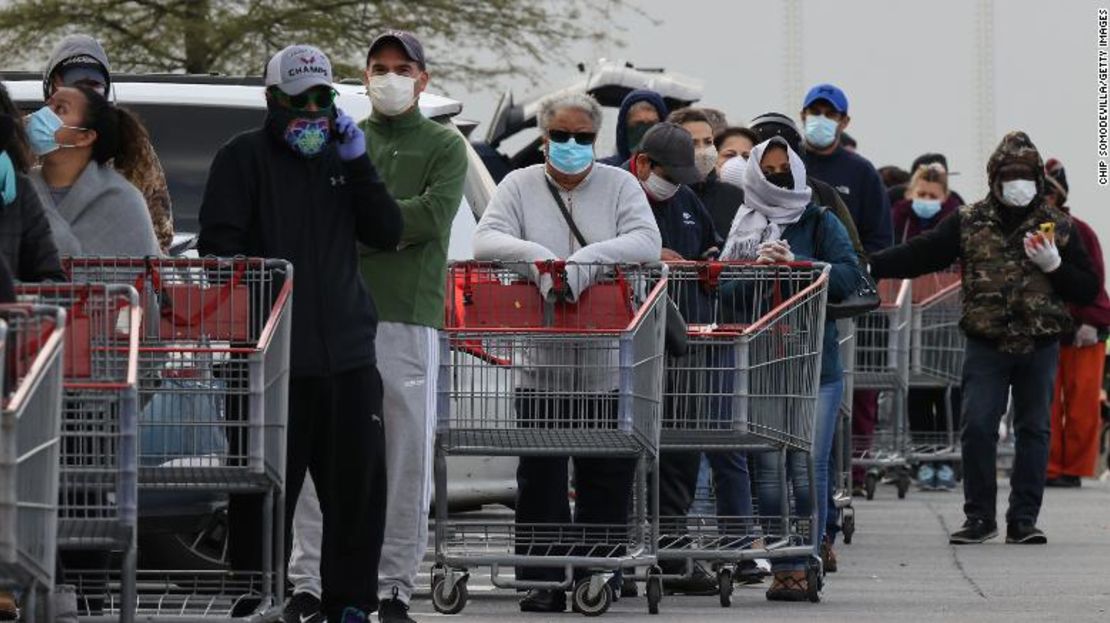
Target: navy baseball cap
column 408, row 42
column 831, row 94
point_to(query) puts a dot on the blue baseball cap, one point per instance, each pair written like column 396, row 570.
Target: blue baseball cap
column 831, row 94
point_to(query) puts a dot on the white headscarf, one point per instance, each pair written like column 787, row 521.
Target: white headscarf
column 767, row 208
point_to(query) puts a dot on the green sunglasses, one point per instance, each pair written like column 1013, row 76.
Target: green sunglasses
column 320, row 97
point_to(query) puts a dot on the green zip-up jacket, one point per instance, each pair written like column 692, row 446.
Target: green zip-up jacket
column 423, row 164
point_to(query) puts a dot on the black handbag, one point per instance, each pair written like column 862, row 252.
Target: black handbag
column 865, row 294
column 674, row 337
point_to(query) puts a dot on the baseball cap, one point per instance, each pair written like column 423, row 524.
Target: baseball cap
column 772, row 124
column 408, row 42
column 73, row 74
column 297, row 69
column 672, row 147
column 831, row 94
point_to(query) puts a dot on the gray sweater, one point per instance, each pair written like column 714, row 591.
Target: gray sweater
column 102, row 215
column 522, row 223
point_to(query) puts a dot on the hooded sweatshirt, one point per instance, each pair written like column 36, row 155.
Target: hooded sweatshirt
column 101, row 214
column 639, row 95
column 148, row 176
column 1008, row 301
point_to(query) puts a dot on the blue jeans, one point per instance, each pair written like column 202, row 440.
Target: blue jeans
column 989, row 376
column 770, row 494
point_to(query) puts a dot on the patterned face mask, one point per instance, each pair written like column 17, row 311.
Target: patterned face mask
column 308, row 137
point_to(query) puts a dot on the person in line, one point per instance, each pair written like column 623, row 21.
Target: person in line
column 715, row 195
column 25, row 240
column 523, row 223
column 92, row 209
column 717, row 119
column 423, row 165
column 302, row 187
column 1076, row 410
column 928, row 202
column 779, row 222
column 79, row 60
column 639, row 110
column 1022, row 263
column 897, row 185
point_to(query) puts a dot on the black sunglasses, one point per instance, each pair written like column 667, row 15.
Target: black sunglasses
column 321, row 97
column 582, row 138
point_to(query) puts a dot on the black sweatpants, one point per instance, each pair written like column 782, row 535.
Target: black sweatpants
column 336, row 431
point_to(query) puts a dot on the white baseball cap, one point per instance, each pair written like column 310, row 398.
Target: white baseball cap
column 297, row 69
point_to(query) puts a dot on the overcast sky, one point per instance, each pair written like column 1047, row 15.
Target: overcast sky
column 908, row 67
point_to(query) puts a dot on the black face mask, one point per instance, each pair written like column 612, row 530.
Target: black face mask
column 783, row 180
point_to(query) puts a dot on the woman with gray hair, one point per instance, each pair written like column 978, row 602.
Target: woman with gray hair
column 523, row 223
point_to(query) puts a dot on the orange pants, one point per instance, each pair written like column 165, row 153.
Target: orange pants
column 1076, row 414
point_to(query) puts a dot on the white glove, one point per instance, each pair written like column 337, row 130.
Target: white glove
column 1043, row 252
column 774, row 251
column 1086, row 336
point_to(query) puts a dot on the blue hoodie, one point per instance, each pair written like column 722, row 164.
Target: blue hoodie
column 639, row 95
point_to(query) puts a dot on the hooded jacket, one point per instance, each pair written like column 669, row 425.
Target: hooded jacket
column 102, row 214
column 1008, row 301
column 262, row 200
column 639, row 95
column 148, row 176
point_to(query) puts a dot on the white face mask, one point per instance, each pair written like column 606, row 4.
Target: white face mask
column 659, row 188
column 1018, row 193
column 391, row 94
column 705, row 159
column 732, row 171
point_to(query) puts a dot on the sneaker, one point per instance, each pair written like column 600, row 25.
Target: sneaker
column 1024, row 533
column 974, row 531
column 394, row 610
column 541, row 600
column 699, row 583
column 946, row 477
column 1064, row 481
column 302, row 608
column 828, row 557
column 926, row 477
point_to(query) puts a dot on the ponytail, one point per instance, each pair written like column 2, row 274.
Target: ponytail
column 119, row 135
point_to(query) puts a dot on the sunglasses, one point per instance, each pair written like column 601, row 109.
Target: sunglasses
column 582, row 138
column 320, row 97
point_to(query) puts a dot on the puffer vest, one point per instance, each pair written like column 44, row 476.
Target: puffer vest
column 1007, row 299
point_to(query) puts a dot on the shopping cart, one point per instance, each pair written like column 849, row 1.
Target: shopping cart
column 882, row 345
column 747, row 384
column 936, row 359
column 99, row 455
column 524, row 375
column 842, row 443
column 32, row 344
column 213, row 376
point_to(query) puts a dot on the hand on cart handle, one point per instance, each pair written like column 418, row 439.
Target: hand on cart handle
column 775, row 251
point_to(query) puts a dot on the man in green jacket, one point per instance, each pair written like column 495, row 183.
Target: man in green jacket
column 423, row 164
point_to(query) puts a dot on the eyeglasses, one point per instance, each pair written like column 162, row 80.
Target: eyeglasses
column 320, row 97
column 582, row 138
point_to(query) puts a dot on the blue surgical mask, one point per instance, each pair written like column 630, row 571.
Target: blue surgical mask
column 821, row 131
column 570, row 157
column 926, row 209
column 7, row 178
column 41, row 126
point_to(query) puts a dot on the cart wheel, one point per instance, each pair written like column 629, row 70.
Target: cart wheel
column 849, row 526
column 654, row 590
column 724, row 587
column 813, row 580
column 452, row 603
column 870, row 483
column 598, row 606
column 903, row 485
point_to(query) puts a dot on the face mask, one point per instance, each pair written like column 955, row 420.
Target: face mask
column 306, row 133
column 926, row 209
column 570, row 157
column 820, row 131
column 7, row 178
column 732, row 171
column 391, row 94
column 705, row 159
column 659, row 188
column 636, row 134
column 1018, row 193
column 41, row 127
column 783, row 180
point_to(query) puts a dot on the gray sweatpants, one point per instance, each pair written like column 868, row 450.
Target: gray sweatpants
column 408, row 359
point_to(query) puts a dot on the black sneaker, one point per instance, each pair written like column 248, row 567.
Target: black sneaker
column 974, row 531
column 394, row 610
column 1024, row 533
column 540, row 600
column 302, row 608
column 699, row 583
column 1068, row 482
